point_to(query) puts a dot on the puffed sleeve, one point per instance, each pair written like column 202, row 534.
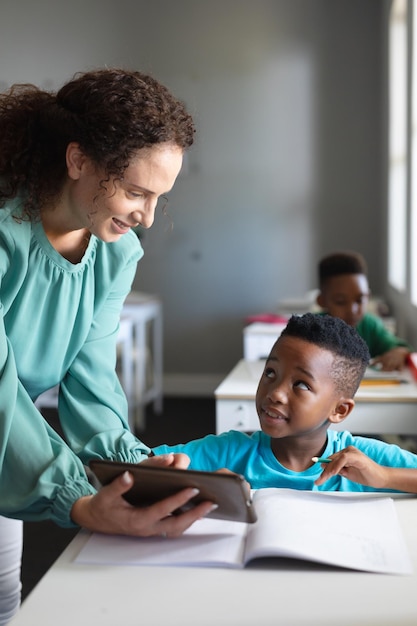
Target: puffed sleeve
column 40, row 477
column 92, row 404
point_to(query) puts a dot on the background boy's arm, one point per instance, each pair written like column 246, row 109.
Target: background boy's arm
column 358, row 467
column 385, row 348
column 394, row 359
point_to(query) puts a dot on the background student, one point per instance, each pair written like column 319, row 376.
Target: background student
column 308, row 383
column 344, row 292
column 78, row 170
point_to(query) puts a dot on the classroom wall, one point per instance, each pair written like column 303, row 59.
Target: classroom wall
column 287, row 165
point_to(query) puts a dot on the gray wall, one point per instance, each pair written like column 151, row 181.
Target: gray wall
column 288, row 164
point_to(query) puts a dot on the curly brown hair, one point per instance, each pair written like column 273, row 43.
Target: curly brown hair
column 110, row 113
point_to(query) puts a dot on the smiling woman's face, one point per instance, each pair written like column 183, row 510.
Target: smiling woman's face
column 108, row 210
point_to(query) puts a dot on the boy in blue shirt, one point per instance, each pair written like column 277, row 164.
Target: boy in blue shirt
column 308, row 383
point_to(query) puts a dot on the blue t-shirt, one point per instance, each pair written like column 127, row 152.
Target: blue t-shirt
column 252, row 457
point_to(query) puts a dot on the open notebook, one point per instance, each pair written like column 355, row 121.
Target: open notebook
column 346, row 531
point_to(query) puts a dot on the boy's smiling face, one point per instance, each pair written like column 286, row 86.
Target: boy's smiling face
column 296, row 395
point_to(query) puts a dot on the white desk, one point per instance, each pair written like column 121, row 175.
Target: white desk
column 140, row 358
column 378, row 410
column 281, row 592
column 258, row 339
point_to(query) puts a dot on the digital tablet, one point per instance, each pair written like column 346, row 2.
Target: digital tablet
column 151, row 484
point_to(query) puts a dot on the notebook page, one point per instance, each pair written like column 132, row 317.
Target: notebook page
column 354, row 532
column 209, row 542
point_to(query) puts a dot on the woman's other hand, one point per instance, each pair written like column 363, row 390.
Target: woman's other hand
column 108, row 512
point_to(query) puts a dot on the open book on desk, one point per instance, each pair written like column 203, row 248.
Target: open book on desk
column 355, row 532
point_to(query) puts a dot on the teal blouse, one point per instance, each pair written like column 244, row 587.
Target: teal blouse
column 58, row 325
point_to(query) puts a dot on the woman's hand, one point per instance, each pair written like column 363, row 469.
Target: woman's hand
column 108, row 512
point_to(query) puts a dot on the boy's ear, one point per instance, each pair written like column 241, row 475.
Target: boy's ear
column 343, row 408
column 320, row 300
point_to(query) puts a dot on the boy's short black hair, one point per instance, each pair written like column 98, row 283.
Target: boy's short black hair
column 341, row 263
column 332, row 333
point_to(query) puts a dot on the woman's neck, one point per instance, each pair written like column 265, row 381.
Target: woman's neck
column 69, row 242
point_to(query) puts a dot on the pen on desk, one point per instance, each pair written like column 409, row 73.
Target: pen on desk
column 321, row 459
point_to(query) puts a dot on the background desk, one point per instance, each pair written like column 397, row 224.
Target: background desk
column 258, row 339
column 281, row 592
column 140, row 358
column 382, row 409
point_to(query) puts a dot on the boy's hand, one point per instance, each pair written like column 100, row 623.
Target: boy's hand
column 394, row 359
column 247, row 486
column 177, row 460
column 356, row 466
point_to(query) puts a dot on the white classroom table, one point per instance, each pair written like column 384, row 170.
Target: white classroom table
column 142, row 318
column 140, row 353
column 279, row 593
column 382, row 409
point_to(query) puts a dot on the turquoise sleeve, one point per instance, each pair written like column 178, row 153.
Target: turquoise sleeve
column 92, row 404
column 40, row 476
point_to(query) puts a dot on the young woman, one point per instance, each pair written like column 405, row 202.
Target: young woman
column 78, row 170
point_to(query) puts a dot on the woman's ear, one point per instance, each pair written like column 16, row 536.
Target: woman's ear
column 75, row 159
column 343, row 408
